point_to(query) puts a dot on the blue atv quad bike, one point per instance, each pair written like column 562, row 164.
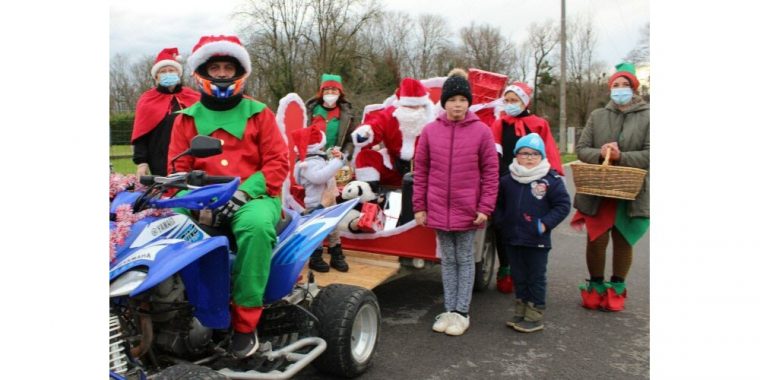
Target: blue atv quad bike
column 170, row 292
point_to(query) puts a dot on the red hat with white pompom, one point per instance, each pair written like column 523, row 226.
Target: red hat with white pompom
column 522, row 90
column 308, row 139
column 412, row 93
column 167, row 57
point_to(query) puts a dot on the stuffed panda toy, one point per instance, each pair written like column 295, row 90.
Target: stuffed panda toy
column 356, row 189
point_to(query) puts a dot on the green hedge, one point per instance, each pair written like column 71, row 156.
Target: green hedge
column 121, row 128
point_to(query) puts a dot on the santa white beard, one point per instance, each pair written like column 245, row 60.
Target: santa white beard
column 410, row 123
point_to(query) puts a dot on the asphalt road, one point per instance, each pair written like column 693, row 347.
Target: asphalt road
column 575, row 344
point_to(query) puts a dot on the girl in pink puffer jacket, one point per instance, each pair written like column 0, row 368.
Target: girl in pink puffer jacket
column 456, row 179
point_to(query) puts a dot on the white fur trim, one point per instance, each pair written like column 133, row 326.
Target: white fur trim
column 282, row 106
column 367, row 174
column 413, row 101
column 519, row 92
column 492, row 104
column 499, row 149
column 407, row 146
column 287, row 198
column 386, row 233
column 436, row 82
column 389, row 101
column 165, row 62
column 361, row 130
column 315, row 148
column 386, row 158
column 218, row 48
column 370, row 108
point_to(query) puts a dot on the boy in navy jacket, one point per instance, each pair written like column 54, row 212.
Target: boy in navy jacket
column 532, row 201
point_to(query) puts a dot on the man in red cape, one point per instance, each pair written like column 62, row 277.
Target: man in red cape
column 155, row 113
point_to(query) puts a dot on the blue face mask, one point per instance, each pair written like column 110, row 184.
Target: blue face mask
column 621, row 95
column 513, row 109
column 168, row 79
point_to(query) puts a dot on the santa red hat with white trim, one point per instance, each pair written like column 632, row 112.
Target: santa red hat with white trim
column 412, row 92
column 218, row 46
column 522, row 90
column 167, row 57
column 308, row 140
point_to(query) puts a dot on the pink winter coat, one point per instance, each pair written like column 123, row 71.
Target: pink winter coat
column 456, row 172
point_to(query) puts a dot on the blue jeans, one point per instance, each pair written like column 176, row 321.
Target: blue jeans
column 529, row 273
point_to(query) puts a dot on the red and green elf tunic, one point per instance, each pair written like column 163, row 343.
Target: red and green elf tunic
column 254, row 150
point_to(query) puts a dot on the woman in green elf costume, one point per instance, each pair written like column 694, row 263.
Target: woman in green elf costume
column 330, row 109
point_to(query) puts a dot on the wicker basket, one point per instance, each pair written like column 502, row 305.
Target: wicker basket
column 344, row 175
column 608, row 181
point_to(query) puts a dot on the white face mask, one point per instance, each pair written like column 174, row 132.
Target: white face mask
column 330, row 99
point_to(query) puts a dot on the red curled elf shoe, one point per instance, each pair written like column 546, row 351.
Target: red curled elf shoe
column 593, row 294
column 614, row 299
column 504, row 280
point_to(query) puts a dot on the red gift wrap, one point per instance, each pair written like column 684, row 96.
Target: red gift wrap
column 372, row 218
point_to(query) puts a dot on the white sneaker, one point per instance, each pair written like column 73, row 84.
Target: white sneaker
column 442, row 321
column 458, row 325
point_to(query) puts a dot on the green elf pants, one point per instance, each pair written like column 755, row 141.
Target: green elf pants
column 254, row 228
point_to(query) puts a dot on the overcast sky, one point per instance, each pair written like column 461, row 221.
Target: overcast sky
column 144, row 27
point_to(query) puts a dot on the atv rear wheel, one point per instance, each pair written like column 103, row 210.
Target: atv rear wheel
column 349, row 320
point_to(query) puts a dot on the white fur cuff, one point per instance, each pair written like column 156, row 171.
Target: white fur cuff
column 363, row 131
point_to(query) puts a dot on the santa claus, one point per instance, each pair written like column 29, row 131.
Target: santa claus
column 397, row 127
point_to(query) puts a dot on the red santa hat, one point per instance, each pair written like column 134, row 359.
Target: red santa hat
column 412, row 93
column 218, row 46
column 307, row 139
column 522, row 90
column 167, row 57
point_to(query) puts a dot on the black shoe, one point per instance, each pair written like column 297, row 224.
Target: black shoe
column 244, row 345
column 337, row 260
column 317, row 263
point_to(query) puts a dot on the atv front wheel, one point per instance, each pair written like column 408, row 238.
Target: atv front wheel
column 349, row 320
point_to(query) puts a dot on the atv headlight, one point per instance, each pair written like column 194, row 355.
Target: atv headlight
column 127, row 282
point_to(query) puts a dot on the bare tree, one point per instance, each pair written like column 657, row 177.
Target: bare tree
column 542, row 39
column 584, row 71
column 486, row 49
column 429, row 44
column 279, row 31
column 336, row 29
column 140, row 73
column 523, row 66
column 640, row 54
column 121, row 89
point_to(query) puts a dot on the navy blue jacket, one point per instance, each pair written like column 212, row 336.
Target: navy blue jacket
column 521, row 207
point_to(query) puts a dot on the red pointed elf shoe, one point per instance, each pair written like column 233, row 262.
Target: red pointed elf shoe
column 614, row 300
column 592, row 294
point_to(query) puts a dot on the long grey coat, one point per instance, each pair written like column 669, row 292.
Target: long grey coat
column 630, row 128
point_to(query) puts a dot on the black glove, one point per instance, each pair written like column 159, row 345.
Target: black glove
column 223, row 215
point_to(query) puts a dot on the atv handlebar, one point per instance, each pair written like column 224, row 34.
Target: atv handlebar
column 183, row 180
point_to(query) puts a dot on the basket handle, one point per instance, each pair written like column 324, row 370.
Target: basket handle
column 607, row 158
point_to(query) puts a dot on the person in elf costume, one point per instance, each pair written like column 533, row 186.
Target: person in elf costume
column 332, row 112
column 398, row 128
column 622, row 128
column 513, row 121
column 255, row 151
column 316, row 173
column 155, row 113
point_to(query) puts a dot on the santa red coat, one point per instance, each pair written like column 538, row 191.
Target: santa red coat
column 374, row 165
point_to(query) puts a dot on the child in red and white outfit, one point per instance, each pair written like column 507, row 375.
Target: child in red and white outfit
column 316, row 173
